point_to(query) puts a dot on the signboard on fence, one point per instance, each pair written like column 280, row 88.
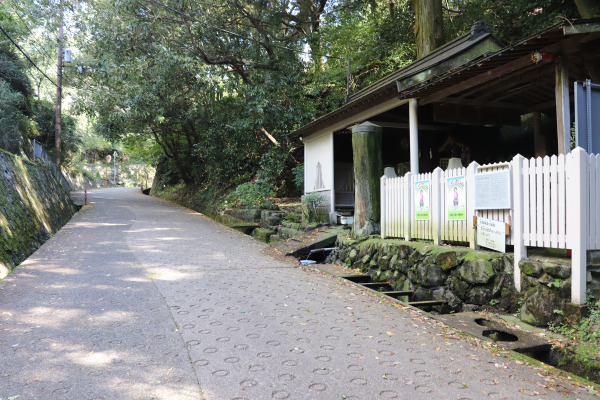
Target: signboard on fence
column 422, row 200
column 456, row 198
column 491, row 234
column 492, row 190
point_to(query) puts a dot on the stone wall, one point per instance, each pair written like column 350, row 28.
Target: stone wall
column 33, row 206
column 275, row 225
column 468, row 280
column 546, row 293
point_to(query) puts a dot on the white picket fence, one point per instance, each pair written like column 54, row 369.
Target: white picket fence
column 554, row 204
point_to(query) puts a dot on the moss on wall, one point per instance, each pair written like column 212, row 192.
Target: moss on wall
column 33, row 206
column 466, row 279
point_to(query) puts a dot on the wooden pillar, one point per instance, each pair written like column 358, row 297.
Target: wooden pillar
column 563, row 111
column 414, row 136
column 368, row 168
column 539, row 140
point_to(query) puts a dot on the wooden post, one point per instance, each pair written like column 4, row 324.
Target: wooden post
column 414, row 136
column 436, row 206
column 563, row 111
column 577, row 221
column 539, row 140
column 520, row 251
column 368, row 168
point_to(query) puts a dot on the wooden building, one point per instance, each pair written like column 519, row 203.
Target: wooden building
column 473, row 99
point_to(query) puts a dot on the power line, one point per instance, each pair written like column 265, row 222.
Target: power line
column 26, row 56
column 242, row 36
column 27, row 27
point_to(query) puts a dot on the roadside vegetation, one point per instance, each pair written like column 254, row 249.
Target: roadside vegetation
column 208, row 92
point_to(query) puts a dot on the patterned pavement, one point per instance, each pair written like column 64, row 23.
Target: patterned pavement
column 139, row 299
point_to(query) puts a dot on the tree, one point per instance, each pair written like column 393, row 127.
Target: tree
column 429, row 26
column 588, row 8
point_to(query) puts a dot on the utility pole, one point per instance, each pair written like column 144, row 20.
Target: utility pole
column 59, row 65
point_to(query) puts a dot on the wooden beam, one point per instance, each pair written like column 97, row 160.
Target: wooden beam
column 479, row 103
column 500, row 84
column 478, row 80
column 406, row 125
column 563, row 111
column 568, row 46
column 351, row 119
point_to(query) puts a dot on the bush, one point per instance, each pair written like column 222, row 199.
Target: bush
column 310, row 207
column 251, row 195
column 299, row 176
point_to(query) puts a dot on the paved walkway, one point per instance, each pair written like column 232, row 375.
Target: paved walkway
column 136, row 298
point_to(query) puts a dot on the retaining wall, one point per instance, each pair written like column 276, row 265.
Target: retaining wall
column 33, row 206
column 469, row 280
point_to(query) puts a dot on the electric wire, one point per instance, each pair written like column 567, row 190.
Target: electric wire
column 29, row 30
column 26, row 56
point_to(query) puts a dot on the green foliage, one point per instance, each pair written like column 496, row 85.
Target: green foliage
column 555, row 283
column 10, row 136
column 587, row 330
column 511, row 20
column 310, row 207
column 250, row 195
column 299, row 176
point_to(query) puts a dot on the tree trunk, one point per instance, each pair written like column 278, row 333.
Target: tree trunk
column 429, row 26
column 368, row 168
column 588, row 8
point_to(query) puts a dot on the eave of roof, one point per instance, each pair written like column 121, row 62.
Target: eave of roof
column 386, row 88
column 525, row 47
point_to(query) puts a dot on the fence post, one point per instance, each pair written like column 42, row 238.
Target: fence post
column 470, row 187
column 520, row 251
column 407, row 217
column 577, row 220
column 436, row 214
column 383, row 205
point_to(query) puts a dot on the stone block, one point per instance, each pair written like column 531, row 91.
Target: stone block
column 539, row 305
column 574, row 313
column 531, row 267
column 447, row 260
column 477, row 271
column 431, row 275
column 557, row 270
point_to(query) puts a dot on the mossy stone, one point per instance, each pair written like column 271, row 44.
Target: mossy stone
column 447, row 260
column 539, row 305
column 458, row 287
column 431, row 275
column 531, row 267
column 557, row 270
column 477, row 271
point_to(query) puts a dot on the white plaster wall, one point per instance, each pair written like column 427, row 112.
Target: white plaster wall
column 319, row 149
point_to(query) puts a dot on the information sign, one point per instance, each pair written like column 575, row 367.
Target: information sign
column 492, row 190
column 456, row 198
column 422, row 200
column 491, row 234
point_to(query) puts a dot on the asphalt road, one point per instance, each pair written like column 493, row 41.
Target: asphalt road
column 136, row 298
